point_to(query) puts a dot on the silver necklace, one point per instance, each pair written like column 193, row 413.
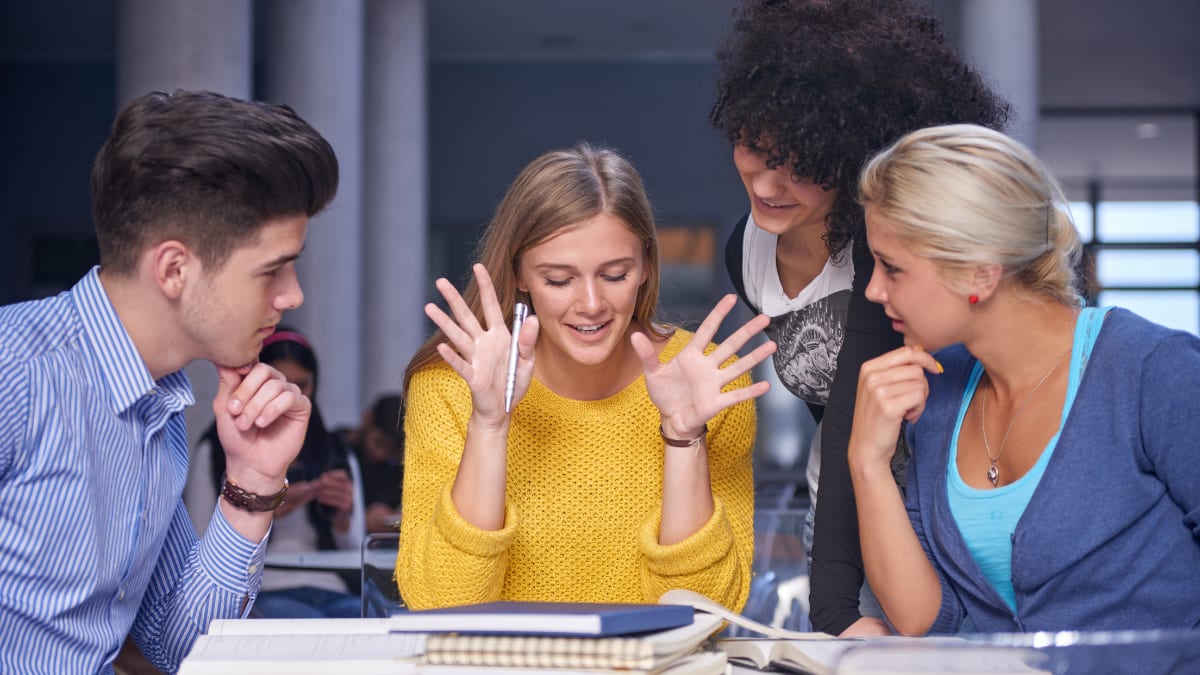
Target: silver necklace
column 993, row 473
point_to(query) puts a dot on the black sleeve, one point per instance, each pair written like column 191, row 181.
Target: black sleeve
column 733, row 261
column 837, row 566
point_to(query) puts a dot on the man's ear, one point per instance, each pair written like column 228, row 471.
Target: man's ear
column 986, row 279
column 172, row 265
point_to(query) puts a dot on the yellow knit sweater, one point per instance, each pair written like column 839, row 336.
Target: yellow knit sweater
column 584, row 501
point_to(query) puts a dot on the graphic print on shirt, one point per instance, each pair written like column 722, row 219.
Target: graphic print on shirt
column 808, row 341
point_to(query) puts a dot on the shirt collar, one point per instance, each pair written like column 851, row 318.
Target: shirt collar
column 124, row 370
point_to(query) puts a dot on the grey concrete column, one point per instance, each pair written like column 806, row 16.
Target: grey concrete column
column 312, row 60
column 183, row 44
column 1000, row 37
column 186, row 44
column 395, row 192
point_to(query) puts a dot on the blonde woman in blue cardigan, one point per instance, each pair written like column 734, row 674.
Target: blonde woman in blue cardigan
column 1054, row 482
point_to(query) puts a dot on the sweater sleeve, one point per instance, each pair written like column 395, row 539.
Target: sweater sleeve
column 1169, row 421
column 715, row 561
column 443, row 560
column 734, row 254
column 837, row 566
column 950, row 613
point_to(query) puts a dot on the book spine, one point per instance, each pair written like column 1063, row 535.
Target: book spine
column 507, row 651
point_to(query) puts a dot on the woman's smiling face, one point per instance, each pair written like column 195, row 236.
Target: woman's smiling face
column 780, row 202
column 583, row 285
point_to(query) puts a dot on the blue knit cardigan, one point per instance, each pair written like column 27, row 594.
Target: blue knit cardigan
column 1111, row 537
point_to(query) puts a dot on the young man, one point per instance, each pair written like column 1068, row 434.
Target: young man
column 201, row 204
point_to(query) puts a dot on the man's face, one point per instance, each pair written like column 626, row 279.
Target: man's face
column 228, row 312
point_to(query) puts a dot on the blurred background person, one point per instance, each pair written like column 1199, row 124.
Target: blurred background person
column 380, row 446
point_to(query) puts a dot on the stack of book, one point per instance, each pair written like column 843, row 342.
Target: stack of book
column 544, row 638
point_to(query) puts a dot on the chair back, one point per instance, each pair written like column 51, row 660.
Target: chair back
column 380, row 594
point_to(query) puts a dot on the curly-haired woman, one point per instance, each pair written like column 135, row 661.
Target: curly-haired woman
column 807, row 91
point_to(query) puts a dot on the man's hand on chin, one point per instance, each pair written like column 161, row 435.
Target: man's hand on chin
column 261, row 420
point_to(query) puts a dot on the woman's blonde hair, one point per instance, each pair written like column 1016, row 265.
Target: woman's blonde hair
column 964, row 196
column 554, row 192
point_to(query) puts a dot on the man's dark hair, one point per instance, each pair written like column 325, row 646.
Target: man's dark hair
column 207, row 170
column 822, row 85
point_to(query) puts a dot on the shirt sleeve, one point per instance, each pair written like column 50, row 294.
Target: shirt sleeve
column 443, row 559
column 716, row 560
column 194, row 582
column 14, row 414
column 837, row 566
column 198, row 493
column 734, row 255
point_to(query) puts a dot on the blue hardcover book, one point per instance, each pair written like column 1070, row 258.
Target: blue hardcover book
column 544, row 618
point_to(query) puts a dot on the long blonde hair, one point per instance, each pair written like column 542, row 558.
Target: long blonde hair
column 964, row 195
column 555, row 191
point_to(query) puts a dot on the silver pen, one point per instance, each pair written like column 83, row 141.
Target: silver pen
column 520, row 311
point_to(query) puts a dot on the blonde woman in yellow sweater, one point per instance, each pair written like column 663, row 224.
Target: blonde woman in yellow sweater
column 624, row 468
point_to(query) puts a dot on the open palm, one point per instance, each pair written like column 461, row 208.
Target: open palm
column 688, row 389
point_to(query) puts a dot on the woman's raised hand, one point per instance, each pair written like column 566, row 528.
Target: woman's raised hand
column 892, row 389
column 479, row 354
column 687, row 389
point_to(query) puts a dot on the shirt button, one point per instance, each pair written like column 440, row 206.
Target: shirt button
column 121, row 594
column 253, row 568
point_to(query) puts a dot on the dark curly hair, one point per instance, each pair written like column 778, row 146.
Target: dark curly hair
column 824, row 84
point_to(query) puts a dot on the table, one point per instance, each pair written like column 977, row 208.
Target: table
column 328, row 561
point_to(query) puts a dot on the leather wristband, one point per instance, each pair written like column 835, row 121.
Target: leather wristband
column 248, row 501
column 676, row 443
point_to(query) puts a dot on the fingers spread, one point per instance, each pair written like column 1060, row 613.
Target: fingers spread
column 747, row 362
column 644, row 350
column 458, row 308
column 487, row 296
column 708, row 328
column 457, row 336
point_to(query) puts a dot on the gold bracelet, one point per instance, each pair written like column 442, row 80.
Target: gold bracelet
column 676, row 443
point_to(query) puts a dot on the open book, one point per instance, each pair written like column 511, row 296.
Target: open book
column 821, row 653
column 308, row 652
column 800, row 652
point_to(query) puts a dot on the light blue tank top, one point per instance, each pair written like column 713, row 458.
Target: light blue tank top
column 987, row 519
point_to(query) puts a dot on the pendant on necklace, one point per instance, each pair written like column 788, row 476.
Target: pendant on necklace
column 994, row 474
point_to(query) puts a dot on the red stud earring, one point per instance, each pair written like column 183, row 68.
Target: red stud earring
column 973, row 299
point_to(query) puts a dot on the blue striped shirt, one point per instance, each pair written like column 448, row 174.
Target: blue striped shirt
column 95, row 542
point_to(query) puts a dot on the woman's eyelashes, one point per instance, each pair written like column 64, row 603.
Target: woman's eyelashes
column 611, row 278
column 888, row 268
